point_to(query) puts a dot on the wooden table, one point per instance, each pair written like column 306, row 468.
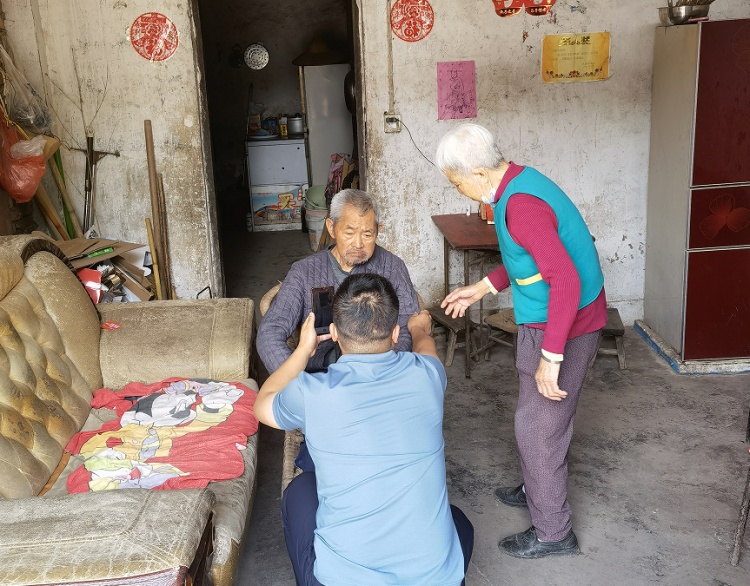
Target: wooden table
column 467, row 234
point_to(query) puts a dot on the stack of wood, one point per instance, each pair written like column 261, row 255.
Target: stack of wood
column 158, row 239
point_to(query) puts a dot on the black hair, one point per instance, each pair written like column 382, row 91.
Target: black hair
column 365, row 308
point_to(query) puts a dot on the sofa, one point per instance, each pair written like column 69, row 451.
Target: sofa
column 54, row 354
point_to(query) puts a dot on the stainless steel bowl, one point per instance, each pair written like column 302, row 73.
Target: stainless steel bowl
column 664, row 16
column 681, row 14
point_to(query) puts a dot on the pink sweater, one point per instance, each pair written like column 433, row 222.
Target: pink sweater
column 533, row 225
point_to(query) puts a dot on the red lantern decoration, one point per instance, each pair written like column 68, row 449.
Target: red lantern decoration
column 505, row 8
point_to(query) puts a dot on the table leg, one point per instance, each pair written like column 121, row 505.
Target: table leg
column 467, row 321
column 446, row 266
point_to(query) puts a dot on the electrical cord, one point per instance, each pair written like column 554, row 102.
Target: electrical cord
column 415, row 144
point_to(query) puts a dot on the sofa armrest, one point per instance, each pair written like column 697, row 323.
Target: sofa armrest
column 122, row 536
column 160, row 339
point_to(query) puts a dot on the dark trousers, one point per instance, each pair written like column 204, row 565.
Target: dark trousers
column 544, row 429
column 298, row 507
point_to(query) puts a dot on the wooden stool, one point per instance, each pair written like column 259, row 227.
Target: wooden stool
column 453, row 327
column 503, row 330
column 613, row 330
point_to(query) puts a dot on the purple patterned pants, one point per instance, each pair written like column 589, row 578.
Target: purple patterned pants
column 544, row 429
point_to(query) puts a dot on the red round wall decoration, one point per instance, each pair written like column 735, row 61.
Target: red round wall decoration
column 154, row 36
column 412, row 20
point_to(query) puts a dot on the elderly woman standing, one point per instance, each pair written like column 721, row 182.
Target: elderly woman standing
column 552, row 267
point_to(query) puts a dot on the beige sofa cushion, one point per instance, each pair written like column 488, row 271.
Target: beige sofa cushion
column 151, row 358
column 49, row 355
column 94, row 537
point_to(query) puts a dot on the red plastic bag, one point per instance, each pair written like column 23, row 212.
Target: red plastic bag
column 19, row 177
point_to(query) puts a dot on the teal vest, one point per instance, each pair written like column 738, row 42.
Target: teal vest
column 530, row 292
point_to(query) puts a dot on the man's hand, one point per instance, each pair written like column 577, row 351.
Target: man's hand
column 419, row 328
column 546, row 380
column 421, row 322
column 308, row 339
column 459, row 300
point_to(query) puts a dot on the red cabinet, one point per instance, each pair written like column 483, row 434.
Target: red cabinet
column 717, row 313
column 697, row 290
column 722, row 124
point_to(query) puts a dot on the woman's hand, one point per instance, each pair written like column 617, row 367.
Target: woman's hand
column 546, row 380
column 459, row 300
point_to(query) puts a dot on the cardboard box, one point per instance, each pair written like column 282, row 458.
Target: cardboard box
column 85, row 252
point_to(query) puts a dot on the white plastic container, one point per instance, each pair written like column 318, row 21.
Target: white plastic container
column 315, row 222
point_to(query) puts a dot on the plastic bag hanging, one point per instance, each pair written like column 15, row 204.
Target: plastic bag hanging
column 25, row 107
column 20, row 176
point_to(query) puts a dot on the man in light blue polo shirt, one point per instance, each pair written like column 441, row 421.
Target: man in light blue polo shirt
column 371, row 506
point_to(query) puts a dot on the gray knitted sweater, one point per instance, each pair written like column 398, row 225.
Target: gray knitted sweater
column 292, row 302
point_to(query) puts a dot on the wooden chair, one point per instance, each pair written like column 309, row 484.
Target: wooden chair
column 503, row 330
column 292, row 439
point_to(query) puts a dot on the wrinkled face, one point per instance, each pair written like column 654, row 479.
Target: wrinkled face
column 355, row 237
column 469, row 185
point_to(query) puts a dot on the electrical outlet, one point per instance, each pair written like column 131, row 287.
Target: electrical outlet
column 392, row 122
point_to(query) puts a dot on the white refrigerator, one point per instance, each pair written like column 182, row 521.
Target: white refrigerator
column 329, row 122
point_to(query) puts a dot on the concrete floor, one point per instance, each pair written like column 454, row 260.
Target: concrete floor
column 657, row 462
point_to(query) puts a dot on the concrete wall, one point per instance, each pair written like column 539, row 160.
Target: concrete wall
column 591, row 138
column 286, row 28
column 60, row 45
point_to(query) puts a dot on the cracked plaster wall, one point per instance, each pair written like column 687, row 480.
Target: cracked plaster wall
column 49, row 37
column 592, row 138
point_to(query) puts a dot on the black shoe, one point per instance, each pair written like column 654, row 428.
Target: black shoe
column 511, row 496
column 526, row 545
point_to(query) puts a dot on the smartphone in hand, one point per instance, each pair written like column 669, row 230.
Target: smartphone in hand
column 322, row 298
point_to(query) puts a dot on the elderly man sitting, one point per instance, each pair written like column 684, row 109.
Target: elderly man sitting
column 353, row 222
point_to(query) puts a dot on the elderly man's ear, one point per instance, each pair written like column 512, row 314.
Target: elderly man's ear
column 334, row 332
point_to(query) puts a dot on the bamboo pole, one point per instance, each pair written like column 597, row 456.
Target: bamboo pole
column 152, row 180
column 154, row 262
column 156, row 207
column 66, row 198
column 166, row 263
column 49, row 210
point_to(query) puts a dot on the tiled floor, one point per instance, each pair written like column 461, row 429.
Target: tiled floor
column 657, row 462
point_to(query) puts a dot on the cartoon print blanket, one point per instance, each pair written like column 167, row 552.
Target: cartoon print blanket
column 173, row 434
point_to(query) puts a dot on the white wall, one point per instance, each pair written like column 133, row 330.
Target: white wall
column 591, row 138
column 48, row 38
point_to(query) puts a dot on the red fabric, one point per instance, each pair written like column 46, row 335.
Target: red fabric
column 205, row 455
column 533, row 225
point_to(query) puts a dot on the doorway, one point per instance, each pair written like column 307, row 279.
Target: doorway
column 235, row 91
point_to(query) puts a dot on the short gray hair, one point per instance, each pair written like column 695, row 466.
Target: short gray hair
column 466, row 148
column 362, row 201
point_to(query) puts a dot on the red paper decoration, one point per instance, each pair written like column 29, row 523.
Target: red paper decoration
column 412, row 20
column 505, row 8
column 154, row 36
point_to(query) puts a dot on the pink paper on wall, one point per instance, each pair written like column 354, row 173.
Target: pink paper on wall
column 457, row 90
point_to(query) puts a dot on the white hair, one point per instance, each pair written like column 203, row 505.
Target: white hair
column 362, row 201
column 466, row 148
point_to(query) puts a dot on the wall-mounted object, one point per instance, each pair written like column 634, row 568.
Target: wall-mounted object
column 412, row 20
column 575, row 57
column 236, row 58
column 154, row 36
column 457, row 90
column 256, row 56
column 505, row 8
